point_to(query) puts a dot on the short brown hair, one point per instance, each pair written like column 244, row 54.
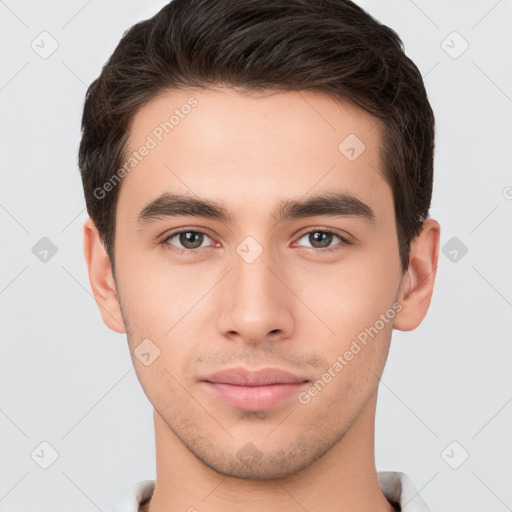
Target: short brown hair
column 329, row 46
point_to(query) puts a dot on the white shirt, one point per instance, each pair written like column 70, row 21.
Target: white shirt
column 397, row 488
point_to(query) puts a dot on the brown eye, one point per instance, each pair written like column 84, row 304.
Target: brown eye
column 187, row 239
column 322, row 239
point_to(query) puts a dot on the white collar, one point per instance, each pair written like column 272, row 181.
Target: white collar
column 396, row 486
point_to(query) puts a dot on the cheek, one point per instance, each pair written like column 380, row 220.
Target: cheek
column 350, row 296
column 157, row 296
column 163, row 384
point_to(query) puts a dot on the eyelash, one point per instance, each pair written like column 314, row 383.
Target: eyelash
column 169, row 246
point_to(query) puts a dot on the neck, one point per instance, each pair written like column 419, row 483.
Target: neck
column 342, row 480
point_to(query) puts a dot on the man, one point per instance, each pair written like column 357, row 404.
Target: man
column 258, row 177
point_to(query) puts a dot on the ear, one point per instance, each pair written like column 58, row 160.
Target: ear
column 101, row 279
column 418, row 281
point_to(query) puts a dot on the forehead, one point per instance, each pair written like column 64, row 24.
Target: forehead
column 224, row 144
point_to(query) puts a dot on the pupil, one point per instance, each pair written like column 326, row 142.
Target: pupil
column 324, row 238
column 187, row 240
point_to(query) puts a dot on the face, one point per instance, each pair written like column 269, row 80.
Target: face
column 252, row 280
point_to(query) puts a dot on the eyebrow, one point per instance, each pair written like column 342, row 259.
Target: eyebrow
column 333, row 204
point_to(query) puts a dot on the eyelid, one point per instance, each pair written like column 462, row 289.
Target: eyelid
column 163, row 239
column 345, row 239
column 336, row 247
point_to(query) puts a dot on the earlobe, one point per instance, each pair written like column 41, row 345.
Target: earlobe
column 418, row 281
column 101, row 279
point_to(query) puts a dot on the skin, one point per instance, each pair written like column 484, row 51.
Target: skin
column 295, row 307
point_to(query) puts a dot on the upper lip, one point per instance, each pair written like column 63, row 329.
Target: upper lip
column 263, row 377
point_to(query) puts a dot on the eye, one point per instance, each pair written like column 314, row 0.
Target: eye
column 188, row 239
column 321, row 239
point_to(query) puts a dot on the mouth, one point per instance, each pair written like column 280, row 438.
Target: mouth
column 254, row 391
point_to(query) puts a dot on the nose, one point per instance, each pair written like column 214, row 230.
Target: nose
column 256, row 302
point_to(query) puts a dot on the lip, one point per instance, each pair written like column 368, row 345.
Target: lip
column 254, row 391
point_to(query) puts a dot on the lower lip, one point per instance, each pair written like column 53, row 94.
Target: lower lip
column 254, row 398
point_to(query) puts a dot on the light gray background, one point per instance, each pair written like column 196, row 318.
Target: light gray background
column 69, row 381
